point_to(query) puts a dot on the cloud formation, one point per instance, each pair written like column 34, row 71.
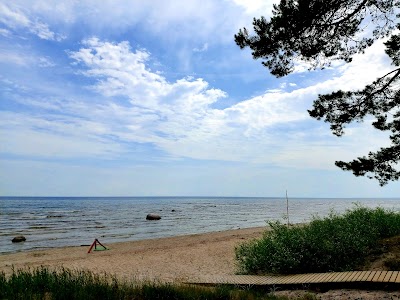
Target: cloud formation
column 176, row 116
column 14, row 18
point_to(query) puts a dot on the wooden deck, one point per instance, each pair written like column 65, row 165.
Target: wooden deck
column 367, row 277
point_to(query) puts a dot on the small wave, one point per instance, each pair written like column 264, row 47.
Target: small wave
column 39, row 227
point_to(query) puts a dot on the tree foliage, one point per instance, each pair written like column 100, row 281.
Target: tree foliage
column 319, row 32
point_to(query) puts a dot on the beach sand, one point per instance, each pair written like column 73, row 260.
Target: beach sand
column 165, row 259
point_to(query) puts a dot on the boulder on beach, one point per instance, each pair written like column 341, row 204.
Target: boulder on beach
column 18, row 239
column 153, row 217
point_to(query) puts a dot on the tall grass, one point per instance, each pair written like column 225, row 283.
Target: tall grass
column 334, row 243
column 42, row 283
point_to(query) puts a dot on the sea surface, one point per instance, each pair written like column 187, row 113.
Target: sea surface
column 51, row 222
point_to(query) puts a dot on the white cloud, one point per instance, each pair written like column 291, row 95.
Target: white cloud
column 11, row 57
column 14, row 18
column 202, row 48
column 5, row 32
column 253, row 7
column 174, row 22
column 43, row 31
column 24, row 58
column 45, row 62
column 54, row 137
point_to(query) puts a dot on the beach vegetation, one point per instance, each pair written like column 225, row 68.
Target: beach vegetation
column 42, row 283
column 334, row 243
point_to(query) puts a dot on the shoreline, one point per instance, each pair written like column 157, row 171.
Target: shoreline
column 126, row 241
column 165, row 259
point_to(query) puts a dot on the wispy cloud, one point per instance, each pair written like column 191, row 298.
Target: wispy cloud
column 5, row 32
column 202, row 48
column 14, row 18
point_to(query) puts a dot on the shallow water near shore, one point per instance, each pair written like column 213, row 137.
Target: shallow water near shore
column 51, row 222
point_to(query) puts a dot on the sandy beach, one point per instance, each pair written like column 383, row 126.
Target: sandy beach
column 165, row 259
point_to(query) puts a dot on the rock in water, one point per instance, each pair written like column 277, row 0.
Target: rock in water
column 153, row 217
column 18, row 239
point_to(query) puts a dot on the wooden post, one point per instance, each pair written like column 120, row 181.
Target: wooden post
column 287, row 209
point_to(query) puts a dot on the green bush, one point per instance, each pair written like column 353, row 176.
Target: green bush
column 334, row 243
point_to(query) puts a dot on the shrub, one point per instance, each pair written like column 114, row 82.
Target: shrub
column 334, row 243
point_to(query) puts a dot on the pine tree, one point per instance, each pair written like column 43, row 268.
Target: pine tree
column 319, row 32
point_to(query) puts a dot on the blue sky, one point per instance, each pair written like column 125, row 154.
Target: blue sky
column 143, row 98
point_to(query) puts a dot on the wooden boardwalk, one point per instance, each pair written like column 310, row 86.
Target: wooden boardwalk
column 367, row 277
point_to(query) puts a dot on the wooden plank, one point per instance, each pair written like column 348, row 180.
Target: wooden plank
column 330, row 276
column 394, row 276
column 319, row 278
column 348, row 275
column 381, row 276
column 268, row 279
column 275, row 279
column 365, row 276
column 248, row 280
column 288, row 279
column 258, row 280
column 359, row 276
column 310, row 278
column 353, row 276
column 292, row 279
column 324, row 277
column 305, row 278
column 280, row 279
column 376, row 276
column 238, row 280
column 296, row 278
column 314, row 278
column 388, row 275
column 398, row 278
column 299, row 278
column 372, row 275
column 336, row 276
column 341, row 276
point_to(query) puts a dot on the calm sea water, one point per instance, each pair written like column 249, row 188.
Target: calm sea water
column 49, row 222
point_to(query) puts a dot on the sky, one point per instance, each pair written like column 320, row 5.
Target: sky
column 154, row 98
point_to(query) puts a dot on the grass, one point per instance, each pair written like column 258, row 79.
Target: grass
column 334, row 243
column 42, row 283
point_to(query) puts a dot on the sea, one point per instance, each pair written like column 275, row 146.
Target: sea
column 54, row 222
